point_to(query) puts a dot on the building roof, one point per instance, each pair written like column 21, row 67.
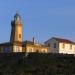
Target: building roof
column 5, row 44
column 10, row 44
column 27, row 42
column 63, row 40
column 32, row 43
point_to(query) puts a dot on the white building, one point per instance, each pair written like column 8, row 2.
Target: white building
column 58, row 45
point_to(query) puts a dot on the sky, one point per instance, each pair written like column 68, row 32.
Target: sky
column 41, row 19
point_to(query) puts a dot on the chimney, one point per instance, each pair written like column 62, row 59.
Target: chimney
column 33, row 40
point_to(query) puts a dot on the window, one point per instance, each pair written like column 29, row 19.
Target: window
column 54, row 45
column 30, row 50
column 70, row 46
column 44, row 51
column 19, row 35
column 48, row 44
column 37, row 51
column 63, row 45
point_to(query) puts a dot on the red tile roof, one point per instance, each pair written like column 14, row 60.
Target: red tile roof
column 63, row 40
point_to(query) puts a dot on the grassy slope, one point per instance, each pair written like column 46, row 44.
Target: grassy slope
column 36, row 64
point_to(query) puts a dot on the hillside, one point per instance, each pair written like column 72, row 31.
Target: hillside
column 36, row 64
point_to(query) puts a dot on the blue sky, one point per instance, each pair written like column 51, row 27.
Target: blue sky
column 41, row 19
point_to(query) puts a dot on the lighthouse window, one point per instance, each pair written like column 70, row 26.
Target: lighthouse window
column 19, row 35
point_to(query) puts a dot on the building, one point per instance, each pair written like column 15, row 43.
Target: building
column 16, row 43
column 31, row 46
column 59, row 45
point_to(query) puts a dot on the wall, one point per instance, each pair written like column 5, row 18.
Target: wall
column 66, row 49
column 5, row 49
column 36, row 48
column 18, row 32
column 17, row 49
column 50, row 43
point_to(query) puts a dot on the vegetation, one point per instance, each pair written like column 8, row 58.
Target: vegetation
column 36, row 64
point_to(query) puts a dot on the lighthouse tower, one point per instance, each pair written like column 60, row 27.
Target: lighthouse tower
column 16, row 34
